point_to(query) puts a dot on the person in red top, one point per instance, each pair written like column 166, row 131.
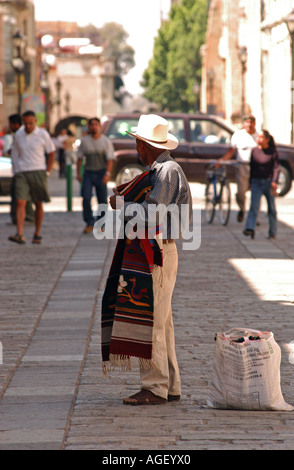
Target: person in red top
column 264, row 175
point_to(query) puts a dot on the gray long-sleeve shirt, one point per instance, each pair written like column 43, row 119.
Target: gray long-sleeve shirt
column 169, row 203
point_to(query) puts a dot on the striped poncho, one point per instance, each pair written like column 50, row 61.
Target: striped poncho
column 127, row 304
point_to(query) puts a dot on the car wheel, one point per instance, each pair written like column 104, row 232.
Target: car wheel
column 127, row 173
column 285, row 181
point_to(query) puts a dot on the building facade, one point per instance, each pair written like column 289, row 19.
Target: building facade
column 247, row 63
column 77, row 80
column 17, row 77
column 70, row 83
column 81, row 85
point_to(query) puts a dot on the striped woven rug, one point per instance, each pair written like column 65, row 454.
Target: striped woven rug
column 127, row 304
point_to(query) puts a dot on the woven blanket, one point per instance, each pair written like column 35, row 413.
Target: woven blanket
column 127, row 304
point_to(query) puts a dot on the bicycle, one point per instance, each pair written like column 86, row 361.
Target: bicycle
column 217, row 193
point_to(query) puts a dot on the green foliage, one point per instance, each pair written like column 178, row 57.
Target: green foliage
column 113, row 38
column 115, row 46
column 176, row 64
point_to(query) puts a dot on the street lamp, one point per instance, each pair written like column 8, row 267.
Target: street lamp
column 44, row 84
column 243, row 54
column 196, row 89
column 211, row 108
column 67, row 102
column 58, row 86
column 289, row 20
column 18, row 65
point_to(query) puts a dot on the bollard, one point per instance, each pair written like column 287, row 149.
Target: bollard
column 69, row 186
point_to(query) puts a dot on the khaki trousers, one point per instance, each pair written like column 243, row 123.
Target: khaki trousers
column 243, row 182
column 164, row 378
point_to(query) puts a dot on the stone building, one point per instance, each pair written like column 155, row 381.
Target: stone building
column 247, row 63
column 77, row 80
column 16, row 16
column 71, row 83
column 81, row 85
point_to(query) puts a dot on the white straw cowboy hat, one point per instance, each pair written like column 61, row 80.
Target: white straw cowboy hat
column 153, row 129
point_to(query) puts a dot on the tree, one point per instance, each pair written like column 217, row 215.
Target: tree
column 113, row 38
column 175, row 66
column 92, row 32
column 114, row 45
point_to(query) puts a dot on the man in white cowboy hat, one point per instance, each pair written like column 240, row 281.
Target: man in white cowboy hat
column 170, row 187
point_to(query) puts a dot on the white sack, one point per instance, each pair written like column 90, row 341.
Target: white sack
column 246, row 376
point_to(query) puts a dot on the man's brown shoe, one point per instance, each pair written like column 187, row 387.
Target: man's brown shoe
column 88, row 229
column 174, row 398
column 145, row 397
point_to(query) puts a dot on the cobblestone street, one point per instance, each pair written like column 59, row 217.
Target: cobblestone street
column 53, row 394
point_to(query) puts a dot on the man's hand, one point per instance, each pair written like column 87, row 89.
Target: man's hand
column 106, row 178
column 51, row 160
column 274, row 189
column 147, row 195
column 79, row 178
column 116, row 200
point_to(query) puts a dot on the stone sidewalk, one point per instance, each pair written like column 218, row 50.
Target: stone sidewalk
column 53, row 395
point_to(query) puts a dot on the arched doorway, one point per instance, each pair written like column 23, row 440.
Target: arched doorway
column 77, row 124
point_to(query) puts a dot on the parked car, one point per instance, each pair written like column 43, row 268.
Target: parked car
column 5, row 175
column 201, row 138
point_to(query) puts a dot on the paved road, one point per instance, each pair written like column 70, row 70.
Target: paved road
column 52, row 392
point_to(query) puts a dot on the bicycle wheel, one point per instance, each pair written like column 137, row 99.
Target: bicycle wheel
column 224, row 207
column 209, row 203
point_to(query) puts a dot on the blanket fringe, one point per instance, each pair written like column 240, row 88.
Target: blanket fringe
column 116, row 361
column 124, row 364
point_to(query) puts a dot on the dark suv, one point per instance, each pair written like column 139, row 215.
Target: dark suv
column 201, row 138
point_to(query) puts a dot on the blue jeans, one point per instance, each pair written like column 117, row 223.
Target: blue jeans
column 93, row 179
column 260, row 187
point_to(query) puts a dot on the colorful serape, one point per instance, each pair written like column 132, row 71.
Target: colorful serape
column 127, row 304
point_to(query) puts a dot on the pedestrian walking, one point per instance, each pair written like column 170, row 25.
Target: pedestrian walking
column 15, row 123
column 7, row 140
column 70, row 154
column 140, row 324
column 60, row 140
column 242, row 142
column 30, row 146
column 264, row 176
column 98, row 152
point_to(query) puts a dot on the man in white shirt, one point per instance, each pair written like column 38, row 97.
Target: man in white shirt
column 15, row 123
column 242, row 142
column 28, row 153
